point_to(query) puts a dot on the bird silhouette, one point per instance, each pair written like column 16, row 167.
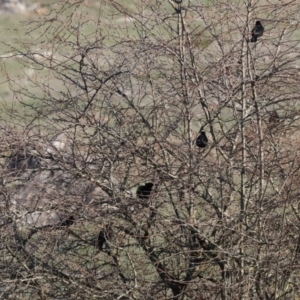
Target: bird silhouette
column 202, row 140
column 68, row 222
column 257, row 31
column 274, row 117
column 104, row 235
column 144, row 191
column 274, row 120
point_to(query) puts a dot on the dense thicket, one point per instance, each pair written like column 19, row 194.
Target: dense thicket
column 117, row 97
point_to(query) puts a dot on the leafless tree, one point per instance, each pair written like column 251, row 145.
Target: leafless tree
column 119, row 94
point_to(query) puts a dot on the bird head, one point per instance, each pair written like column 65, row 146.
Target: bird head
column 149, row 185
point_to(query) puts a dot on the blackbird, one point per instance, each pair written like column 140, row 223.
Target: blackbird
column 202, row 140
column 257, row 31
column 104, row 235
column 274, row 120
column 144, row 191
column 274, row 117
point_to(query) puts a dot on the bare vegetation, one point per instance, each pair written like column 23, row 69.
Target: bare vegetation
column 104, row 192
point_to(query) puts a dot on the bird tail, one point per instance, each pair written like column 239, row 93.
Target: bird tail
column 253, row 38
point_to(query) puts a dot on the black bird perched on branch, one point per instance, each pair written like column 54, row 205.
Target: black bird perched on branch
column 177, row 1
column 144, row 191
column 104, row 235
column 274, row 120
column 274, row 117
column 257, row 31
column 68, row 222
column 202, row 140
